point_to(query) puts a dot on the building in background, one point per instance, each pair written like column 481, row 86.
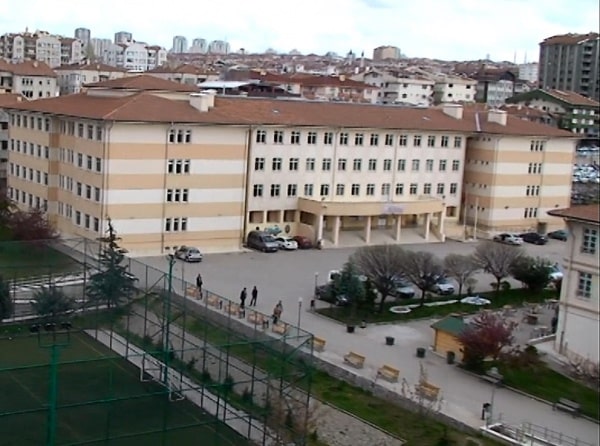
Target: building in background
column 218, row 47
column 199, row 46
column 180, row 45
column 529, row 72
column 453, row 89
column 135, row 56
column 72, row 78
column 123, row 37
column 84, row 35
column 579, row 308
column 569, row 62
column 30, row 79
column 99, row 47
column 5, row 100
column 71, row 51
column 386, row 52
column 39, row 46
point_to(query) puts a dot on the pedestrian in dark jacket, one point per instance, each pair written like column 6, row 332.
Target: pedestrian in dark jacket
column 199, row 283
column 243, row 296
column 254, row 296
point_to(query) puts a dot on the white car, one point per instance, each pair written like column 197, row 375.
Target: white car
column 287, row 243
column 189, row 254
column 555, row 273
column 443, row 287
column 508, row 239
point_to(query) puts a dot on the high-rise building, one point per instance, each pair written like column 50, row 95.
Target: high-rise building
column 218, row 47
column 180, row 45
column 386, row 52
column 569, row 62
column 199, row 46
column 123, row 37
column 83, row 34
column 100, row 46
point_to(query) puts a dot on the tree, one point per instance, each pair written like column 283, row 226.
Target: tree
column 461, row 268
column 382, row 265
column 485, row 337
column 6, row 303
column 112, row 284
column 350, row 284
column 51, row 303
column 496, row 259
column 423, row 269
column 534, row 273
column 16, row 224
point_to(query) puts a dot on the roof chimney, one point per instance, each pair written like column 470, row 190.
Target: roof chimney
column 497, row 116
column 453, row 110
column 202, row 101
column 35, row 63
column 342, row 77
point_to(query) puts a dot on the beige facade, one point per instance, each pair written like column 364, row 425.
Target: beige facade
column 72, row 78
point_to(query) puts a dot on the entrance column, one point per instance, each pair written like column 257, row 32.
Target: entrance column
column 368, row 230
column 319, row 227
column 441, row 220
column 398, row 227
column 336, row 230
column 427, row 225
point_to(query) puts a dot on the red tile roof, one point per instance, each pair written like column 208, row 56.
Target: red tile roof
column 92, row 66
column 27, row 68
column 572, row 98
column 144, row 82
column 586, row 213
column 7, row 99
column 148, row 107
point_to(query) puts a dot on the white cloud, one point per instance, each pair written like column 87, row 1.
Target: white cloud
column 449, row 29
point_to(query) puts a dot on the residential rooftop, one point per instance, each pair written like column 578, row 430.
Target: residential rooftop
column 589, row 213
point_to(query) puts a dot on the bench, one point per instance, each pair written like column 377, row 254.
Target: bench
column 213, row 301
column 491, row 378
column 255, row 318
column 428, row 390
column 280, row 328
column 355, row 360
column 318, row 343
column 232, row 308
column 388, row 373
column 193, row 292
column 567, row 405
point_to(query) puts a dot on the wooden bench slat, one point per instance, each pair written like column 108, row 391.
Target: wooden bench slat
column 389, row 373
column 318, row 343
column 355, row 360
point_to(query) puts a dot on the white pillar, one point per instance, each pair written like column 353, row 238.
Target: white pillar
column 441, row 220
column 368, row 230
column 336, row 230
column 427, row 225
column 398, row 228
column 319, row 227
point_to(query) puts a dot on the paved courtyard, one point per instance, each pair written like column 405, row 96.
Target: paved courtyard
column 287, row 276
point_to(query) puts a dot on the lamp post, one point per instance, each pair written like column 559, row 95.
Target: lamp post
column 493, row 372
column 299, row 313
column 167, row 319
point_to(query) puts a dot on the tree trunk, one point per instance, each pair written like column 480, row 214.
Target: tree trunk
column 460, row 287
column 382, row 303
column 498, row 282
column 423, row 292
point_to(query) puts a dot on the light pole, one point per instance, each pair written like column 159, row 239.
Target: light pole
column 167, row 320
column 299, row 313
column 493, row 372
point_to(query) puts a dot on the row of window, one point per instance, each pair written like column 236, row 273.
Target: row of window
column 358, row 139
column 357, row 163
column 81, row 160
column 30, row 122
column 589, row 243
column 30, row 149
column 79, row 218
column 584, row 285
column 29, row 174
column 275, row 190
column 537, row 145
column 33, row 201
column 179, row 136
column 80, row 189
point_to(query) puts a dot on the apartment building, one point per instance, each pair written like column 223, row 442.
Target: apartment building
column 5, row 100
column 72, row 78
column 529, row 72
column 219, row 47
column 382, row 53
column 134, row 56
column 569, row 62
column 400, row 88
column 185, row 74
column 71, row 51
column 40, row 46
column 31, row 79
column 451, row 89
column 172, row 166
column 579, row 314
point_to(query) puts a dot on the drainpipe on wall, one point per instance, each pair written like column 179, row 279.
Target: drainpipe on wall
column 105, row 175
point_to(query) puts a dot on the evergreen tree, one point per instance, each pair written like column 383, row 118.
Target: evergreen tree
column 6, row 303
column 112, row 285
column 51, row 303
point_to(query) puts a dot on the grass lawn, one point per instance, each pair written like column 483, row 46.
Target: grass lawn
column 100, row 398
column 514, row 297
column 19, row 260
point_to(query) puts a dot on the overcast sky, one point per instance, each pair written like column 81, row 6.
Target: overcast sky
column 445, row 29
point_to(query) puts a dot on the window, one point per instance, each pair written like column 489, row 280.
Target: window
column 80, row 130
column 295, row 137
column 534, row 168
column 172, row 136
column 311, row 138
column 453, row 188
column 370, row 189
column 80, row 160
column 177, row 195
column 257, row 190
column 387, row 165
column 403, row 141
column 355, row 190
column 385, row 189
column 176, row 224
column 89, row 162
column 532, row 191
column 278, row 137
column 79, row 189
column 429, row 165
column 259, row 164
column 372, row 165
column 417, row 140
column 178, row 167
column 341, row 165
column 78, row 218
column 98, row 164
column 431, row 141
column 401, row 165
column 98, row 133
column 442, row 165
column 441, row 187
column 326, row 164
column 96, row 224
column 399, row 189
column 530, row 212
column 275, row 190
column 90, row 132
column 357, row 164
column 293, row 164
column 276, row 164
column 310, row 164
column 339, row 189
column 413, row 189
column 457, row 142
column 88, row 192
column 261, row 136
column 308, row 190
column 455, row 165
column 324, row 190
column 415, row 165
column 328, row 138
column 96, row 194
column 389, row 139
column 590, row 241
column 359, row 139
column 374, row 140
column 427, row 188
column 292, row 190
column 343, row 139
column 584, row 285
column 445, row 141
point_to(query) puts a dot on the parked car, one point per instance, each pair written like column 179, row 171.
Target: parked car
column 560, row 234
column 403, row 289
column 262, row 241
column 443, row 287
column 303, row 242
column 555, row 273
column 509, row 239
column 534, row 238
column 286, row 243
column 326, row 294
column 189, row 254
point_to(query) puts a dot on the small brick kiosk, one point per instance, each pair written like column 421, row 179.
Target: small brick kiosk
column 446, row 333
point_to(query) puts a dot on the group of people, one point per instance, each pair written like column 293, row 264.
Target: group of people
column 244, row 295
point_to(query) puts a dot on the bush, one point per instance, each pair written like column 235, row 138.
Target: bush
column 228, row 384
column 205, row 376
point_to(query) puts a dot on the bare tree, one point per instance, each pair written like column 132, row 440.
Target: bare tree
column 461, row 268
column 497, row 259
column 382, row 264
column 423, row 269
column 427, row 396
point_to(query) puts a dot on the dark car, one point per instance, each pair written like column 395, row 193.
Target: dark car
column 303, row 242
column 327, row 294
column 560, row 234
column 535, row 238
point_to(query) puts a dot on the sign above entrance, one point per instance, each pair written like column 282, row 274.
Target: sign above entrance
column 391, row 208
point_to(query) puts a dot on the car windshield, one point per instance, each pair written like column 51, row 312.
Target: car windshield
column 268, row 239
column 193, row 251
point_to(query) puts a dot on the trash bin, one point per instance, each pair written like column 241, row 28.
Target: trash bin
column 450, row 357
column 389, row 340
column 420, row 352
column 350, row 328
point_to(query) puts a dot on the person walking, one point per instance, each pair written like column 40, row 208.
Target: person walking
column 243, row 296
column 199, row 283
column 254, row 296
column 277, row 312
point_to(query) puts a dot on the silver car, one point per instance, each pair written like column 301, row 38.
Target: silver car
column 189, row 254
